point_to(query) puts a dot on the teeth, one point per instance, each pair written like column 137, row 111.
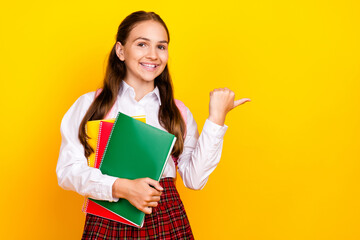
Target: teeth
column 148, row 65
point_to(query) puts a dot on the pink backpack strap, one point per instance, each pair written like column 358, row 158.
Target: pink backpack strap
column 182, row 109
column 98, row 91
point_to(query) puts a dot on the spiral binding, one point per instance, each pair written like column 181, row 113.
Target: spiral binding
column 107, row 144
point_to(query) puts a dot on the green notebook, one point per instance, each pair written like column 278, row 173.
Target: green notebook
column 134, row 150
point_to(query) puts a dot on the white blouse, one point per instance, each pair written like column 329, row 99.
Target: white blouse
column 199, row 158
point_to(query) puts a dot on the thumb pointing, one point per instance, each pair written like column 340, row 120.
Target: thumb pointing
column 241, row 101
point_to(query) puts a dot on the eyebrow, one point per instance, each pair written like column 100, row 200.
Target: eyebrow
column 146, row 39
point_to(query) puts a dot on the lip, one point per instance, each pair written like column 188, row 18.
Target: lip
column 150, row 69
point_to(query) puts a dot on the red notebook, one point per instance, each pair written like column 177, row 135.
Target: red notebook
column 90, row 206
column 104, row 134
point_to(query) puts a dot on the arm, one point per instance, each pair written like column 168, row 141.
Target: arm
column 72, row 170
column 202, row 153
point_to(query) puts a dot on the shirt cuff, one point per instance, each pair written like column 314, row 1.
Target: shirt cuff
column 214, row 129
column 109, row 183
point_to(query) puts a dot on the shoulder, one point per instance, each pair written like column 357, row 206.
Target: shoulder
column 87, row 97
column 79, row 107
column 84, row 100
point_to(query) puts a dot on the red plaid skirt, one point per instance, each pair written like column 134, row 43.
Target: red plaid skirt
column 167, row 221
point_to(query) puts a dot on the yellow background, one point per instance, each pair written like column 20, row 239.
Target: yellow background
column 290, row 166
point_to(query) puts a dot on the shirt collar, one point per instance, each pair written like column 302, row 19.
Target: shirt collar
column 126, row 87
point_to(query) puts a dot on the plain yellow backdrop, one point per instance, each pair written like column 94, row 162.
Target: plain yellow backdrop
column 290, row 164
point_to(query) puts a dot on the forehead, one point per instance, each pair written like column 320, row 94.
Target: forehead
column 149, row 29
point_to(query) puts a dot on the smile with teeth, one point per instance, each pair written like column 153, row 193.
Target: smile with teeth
column 149, row 66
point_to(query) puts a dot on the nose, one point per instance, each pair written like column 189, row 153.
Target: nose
column 152, row 53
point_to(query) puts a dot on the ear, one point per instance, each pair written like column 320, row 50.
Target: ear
column 119, row 48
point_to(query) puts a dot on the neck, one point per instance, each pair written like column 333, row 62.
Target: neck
column 141, row 88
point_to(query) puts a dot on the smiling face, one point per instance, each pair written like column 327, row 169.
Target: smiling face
column 145, row 52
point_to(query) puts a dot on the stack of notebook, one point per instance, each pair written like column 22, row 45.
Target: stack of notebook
column 126, row 148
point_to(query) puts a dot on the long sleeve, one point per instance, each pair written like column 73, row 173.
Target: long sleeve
column 72, row 170
column 201, row 154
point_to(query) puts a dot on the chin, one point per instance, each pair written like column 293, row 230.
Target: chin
column 150, row 78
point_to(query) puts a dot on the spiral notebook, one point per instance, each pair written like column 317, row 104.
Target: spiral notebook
column 134, row 150
column 92, row 131
column 98, row 132
column 91, row 207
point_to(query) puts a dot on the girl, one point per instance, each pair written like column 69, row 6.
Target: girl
column 137, row 82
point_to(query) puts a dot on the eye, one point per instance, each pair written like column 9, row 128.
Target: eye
column 162, row 47
column 141, row 44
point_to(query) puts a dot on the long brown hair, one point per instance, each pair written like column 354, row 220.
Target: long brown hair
column 169, row 115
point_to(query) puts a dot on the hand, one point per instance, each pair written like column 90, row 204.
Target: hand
column 221, row 102
column 139, row 192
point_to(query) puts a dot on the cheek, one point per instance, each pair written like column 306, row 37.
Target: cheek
column 164, row 57
column 133, row 54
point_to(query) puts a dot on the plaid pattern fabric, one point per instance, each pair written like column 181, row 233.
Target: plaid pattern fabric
column 166, row 222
